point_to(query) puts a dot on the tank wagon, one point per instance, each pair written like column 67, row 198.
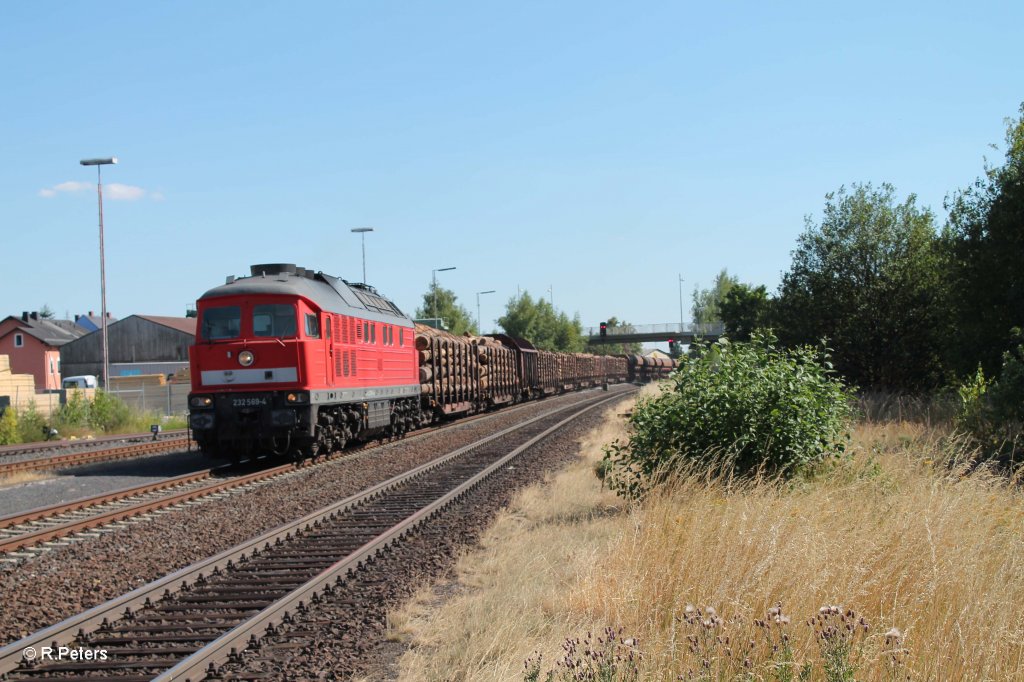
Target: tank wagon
column 289, row 361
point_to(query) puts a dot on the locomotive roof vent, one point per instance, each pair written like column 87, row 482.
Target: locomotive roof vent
column 273, row 269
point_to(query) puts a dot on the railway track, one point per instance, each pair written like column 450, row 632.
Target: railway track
column 25, row 534
column 93, row 456
column 25, row 530
column 84, row 443
column 185, row 625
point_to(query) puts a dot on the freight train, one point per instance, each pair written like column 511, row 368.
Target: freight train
column 299, row 363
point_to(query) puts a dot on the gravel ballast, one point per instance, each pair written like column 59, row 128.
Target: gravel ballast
column 72, row 578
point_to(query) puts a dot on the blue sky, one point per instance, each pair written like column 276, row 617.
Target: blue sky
column 596, row 148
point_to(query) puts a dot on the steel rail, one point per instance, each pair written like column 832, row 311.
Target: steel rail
column 120, row 514
column 80, row 458
column 198, row 665
column 49, row 511
column 68, row 444
column 66, row 631
column 52, row 532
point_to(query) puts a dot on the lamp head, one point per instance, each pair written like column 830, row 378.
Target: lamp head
column 99, row 162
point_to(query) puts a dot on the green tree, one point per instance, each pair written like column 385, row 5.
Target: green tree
column 46, row 313
column 616, row 348
column 986, row 239
column 707, row 302
column 538, row 322
column 744, row 310
column 442, row 303
column 870, row 277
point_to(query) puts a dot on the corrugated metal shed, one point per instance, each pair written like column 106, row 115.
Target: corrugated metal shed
column 135, row 339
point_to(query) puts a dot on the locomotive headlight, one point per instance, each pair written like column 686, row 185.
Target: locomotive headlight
column 246, row 358
column 296, row 397
column 200, row 401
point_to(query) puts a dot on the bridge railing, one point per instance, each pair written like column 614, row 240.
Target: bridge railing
column 667, row 328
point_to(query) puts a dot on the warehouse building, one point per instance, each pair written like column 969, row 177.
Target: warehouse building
column 137, row 345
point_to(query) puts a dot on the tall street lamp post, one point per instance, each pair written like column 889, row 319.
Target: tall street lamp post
column 480, row 329
column 99, row 163
column 362, row 234
column 433, row 276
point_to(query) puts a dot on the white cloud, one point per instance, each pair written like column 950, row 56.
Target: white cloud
column 117, row 191
column 114, row 191
column 70, row 186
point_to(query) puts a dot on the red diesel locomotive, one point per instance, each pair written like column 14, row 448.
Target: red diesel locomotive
column 295, row 362
column 292, row 362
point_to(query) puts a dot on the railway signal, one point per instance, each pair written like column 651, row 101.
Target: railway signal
column 604, row 329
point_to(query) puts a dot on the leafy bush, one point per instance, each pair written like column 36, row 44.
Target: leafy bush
column 1007, row 394
column 31, row 425
column 748, row 406
column 991, row 411
column 974, row 415
column 74, row 412
column 108, row 412
column 9, row 433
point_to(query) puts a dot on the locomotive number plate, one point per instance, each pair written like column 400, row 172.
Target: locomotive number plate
column 248, row 402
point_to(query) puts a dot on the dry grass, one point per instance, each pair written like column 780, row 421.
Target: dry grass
column 894, row 534
column 23, row 477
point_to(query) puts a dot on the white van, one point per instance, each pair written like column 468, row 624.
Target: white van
column 83, row 381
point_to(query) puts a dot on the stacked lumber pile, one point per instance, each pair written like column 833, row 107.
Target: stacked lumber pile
column 21, row 388
column 138, row 382
column 182, row 376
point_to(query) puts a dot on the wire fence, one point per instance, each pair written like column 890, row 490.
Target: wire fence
column 170, row 399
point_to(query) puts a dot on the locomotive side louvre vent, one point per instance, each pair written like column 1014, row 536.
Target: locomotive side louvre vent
column 348, row 330
column 359, row 331
column 337, row 330
column 340, row 358
column 337, row 364
column 353, row 361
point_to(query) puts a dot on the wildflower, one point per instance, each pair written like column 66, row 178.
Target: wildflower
column 894, row 635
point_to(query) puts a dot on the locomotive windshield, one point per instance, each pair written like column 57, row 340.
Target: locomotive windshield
column 224, row 322
column 275, row 319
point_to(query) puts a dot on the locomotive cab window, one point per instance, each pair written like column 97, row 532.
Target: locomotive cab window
column 373, row 333
column 273, row 319
column 224, row 322
column 401, row 336
column 312, row 326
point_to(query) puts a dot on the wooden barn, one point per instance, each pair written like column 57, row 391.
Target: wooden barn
column 135, row 343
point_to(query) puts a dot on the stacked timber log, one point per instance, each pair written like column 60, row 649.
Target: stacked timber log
column 499, row 380
column 448, row 369
column 462, row 373
column 20, row 388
